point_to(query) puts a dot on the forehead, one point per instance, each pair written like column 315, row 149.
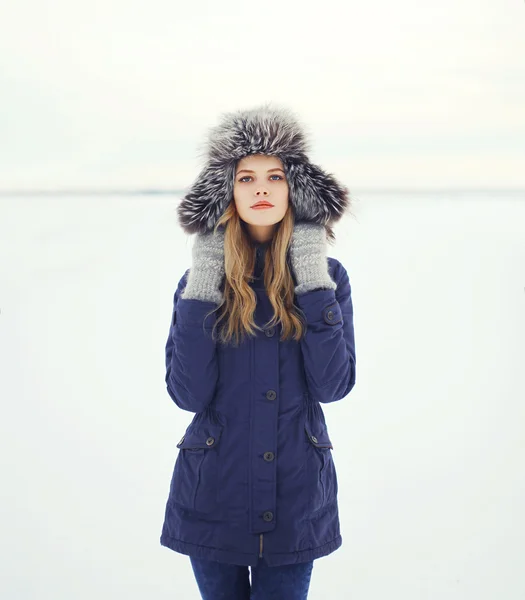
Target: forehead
column 261, row 162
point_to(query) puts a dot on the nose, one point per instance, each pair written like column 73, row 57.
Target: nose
column 263, row 192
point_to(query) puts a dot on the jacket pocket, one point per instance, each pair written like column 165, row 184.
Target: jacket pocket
column 195, row 480
column 320, row 465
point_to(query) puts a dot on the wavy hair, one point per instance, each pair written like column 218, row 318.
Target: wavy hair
column 236, row 312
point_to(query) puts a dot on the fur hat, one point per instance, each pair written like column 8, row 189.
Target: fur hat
column 316, row 196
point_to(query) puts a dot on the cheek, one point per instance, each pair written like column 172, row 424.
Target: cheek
column 237, row 196
column 242, row 202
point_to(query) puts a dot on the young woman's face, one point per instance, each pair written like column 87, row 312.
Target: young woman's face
column 260, row 177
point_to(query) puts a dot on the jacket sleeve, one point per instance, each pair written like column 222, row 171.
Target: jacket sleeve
column 191, row 360
column 328, row 347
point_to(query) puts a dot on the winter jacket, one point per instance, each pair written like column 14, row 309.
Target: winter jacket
column 254, row 476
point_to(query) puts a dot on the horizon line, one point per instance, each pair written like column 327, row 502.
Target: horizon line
column 178, row 191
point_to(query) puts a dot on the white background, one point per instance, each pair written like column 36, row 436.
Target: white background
column 429, row 445
column 403, row 94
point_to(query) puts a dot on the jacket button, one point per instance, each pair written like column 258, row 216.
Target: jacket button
column 314, row 439
column 332, row 315
column 182, row 439
column 271, row 394
column 210, row 441
column 269, row 332
column 268, row 516
column 269, row 456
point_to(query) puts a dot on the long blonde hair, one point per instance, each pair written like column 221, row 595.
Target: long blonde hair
column 240, row 300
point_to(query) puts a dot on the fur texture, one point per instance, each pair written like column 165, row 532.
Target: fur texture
column 316, row 196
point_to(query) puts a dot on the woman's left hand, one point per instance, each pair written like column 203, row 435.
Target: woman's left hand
column 308, row 248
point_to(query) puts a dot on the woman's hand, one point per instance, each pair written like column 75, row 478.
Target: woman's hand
column 207, row 268
column 308, row 249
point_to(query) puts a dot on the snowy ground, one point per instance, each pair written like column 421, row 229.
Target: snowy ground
column 429, row 446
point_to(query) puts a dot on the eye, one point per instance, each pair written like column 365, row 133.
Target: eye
column 279, row 177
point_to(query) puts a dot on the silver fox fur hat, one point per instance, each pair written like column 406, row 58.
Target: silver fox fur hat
column 316, row 196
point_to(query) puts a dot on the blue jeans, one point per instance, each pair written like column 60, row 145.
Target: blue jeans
column 220, row 581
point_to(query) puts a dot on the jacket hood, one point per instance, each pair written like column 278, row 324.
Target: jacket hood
column 316, row 196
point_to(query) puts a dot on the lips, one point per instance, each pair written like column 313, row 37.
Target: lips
column 262, row 203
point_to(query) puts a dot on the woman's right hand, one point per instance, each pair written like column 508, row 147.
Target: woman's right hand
column 207, row 268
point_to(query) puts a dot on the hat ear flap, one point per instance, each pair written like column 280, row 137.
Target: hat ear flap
column 207, row 198
column 316, row 195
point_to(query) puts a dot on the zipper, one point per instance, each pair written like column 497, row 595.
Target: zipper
column 260, row 545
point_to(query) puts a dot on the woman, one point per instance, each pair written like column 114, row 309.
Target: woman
column 261, row 334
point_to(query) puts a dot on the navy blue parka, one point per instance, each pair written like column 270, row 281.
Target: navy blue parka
column 254, row 476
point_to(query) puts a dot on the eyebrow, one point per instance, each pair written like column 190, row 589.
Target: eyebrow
column 249, row 171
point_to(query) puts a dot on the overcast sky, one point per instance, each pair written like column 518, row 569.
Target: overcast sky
column 404, row 94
